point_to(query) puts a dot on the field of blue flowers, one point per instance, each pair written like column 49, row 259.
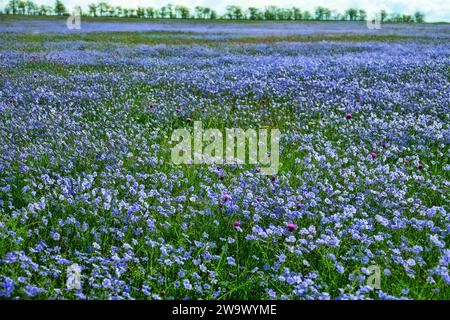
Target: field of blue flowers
column 86, row 178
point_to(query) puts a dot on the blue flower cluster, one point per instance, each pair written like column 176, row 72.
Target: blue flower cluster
column 86, row 176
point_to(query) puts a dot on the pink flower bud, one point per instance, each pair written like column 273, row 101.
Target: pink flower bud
column 226, row 197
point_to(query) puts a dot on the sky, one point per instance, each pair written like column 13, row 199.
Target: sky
column 435, row 10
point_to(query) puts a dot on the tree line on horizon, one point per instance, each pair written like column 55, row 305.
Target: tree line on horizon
column 232, row 12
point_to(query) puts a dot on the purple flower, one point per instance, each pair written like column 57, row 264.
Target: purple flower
column 31, row 290
column 186, row 284
column 435, row 240
column 7, row 287
column 231, row 261
column 445, row 260
column 106, row 283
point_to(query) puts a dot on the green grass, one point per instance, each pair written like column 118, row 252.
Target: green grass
column 104, row 40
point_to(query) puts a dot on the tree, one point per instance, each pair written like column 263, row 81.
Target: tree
column 13, row 6
column 198, row 12
column 284, row 14
column 103, row 8
column 419, row 17
column 322, row 13
column 234, row 12
column 112, row 11
column 395, row 17
column 270, row 13
column 206, row 12
column 362, row 15
column 306, row 15
column 93, row 9
column 238, row 13
column 182, row 12
column 229, row 12
column 167, row 11
column 253, row 13
column 140, row 12
column 21, row 7
column 297, row 13
column 164, row 12
column 31, row 7
column 319, row 13
column 44, row 10
column 326, row 14
column 60, row 8
column 383, row 15
column 118, row 11
column 335, row 15
column 407, row 18
column 150, row 12
column 351, row 14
